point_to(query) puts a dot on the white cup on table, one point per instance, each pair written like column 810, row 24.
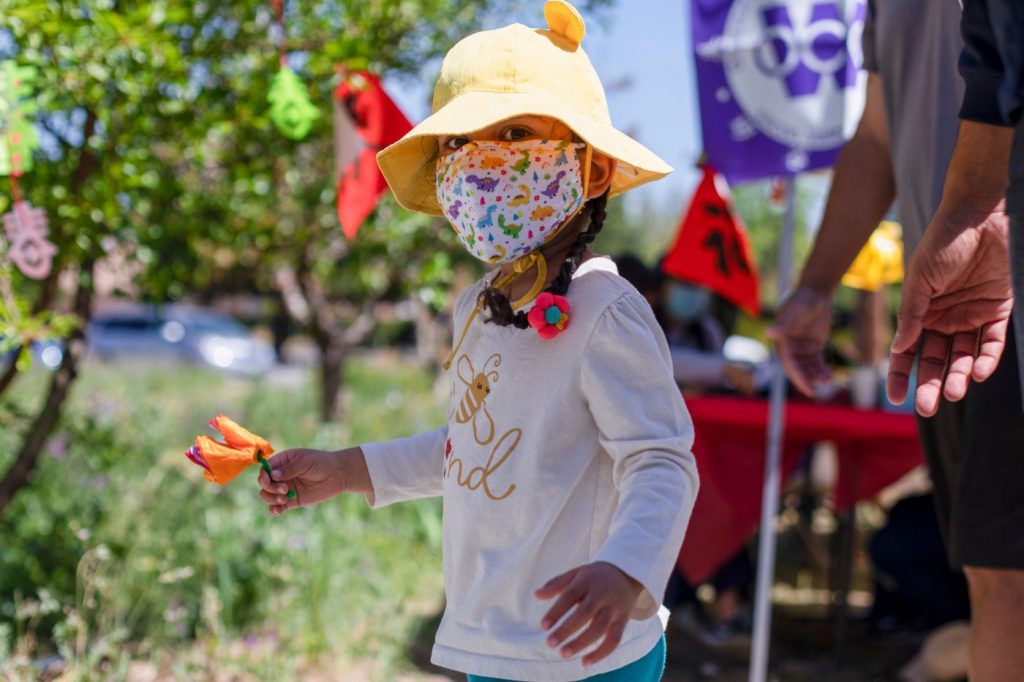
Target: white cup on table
column 864, row 387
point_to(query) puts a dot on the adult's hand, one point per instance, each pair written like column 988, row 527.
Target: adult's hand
column 957, row 295
column 862, row 191
column 801, row 331
column 955, row 308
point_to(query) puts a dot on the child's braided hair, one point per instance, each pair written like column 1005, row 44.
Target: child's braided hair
column 497, row 305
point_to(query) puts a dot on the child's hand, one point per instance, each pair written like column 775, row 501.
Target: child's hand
column 604, row 598
column 314, row 475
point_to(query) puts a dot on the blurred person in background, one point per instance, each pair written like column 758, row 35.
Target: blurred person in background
column 901, row 150
column 645, row 279
column 914, row 586
column 696, row 324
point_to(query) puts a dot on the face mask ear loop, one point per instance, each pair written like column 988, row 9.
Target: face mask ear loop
column 538, row 283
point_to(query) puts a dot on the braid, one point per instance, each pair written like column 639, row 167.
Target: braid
column 500, row 308
column 597, row 206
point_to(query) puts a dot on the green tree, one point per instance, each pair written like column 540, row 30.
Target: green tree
column 159, row 145
column 100, row 79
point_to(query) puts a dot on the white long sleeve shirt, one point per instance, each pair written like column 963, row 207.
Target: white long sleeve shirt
column 557, row 453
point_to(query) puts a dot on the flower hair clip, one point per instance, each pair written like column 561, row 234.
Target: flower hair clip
column 549, row 315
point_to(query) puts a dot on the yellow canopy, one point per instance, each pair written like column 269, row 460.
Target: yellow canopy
column 880, row 262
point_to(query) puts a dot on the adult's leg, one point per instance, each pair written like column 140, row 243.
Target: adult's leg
column 988, row 522
column 997, row 610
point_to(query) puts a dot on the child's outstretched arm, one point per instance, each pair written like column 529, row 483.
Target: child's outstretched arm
column 386, row 472
column 315, row 476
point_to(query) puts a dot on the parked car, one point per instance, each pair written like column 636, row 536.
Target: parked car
column 179, row 333
column 49, row 353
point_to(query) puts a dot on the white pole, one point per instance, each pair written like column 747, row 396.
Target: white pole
column 772, row 468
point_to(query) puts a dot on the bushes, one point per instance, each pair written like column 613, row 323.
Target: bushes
column 119, row 551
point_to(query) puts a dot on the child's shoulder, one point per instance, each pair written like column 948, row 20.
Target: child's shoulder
column 597, row 283
column 598, row 287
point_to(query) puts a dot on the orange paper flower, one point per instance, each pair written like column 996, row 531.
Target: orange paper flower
column 222, row 462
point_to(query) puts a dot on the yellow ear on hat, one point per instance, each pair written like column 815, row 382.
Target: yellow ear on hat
column 565, row 20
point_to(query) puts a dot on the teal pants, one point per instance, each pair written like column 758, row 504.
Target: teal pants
column 647, row 669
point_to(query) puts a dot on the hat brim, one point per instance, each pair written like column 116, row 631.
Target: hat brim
column 409, row 165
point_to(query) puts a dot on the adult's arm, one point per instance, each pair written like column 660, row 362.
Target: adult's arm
column 862, row 191
column 957, row 295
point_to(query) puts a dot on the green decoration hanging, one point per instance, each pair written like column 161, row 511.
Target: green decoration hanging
column 17, row 132
column 290, row 108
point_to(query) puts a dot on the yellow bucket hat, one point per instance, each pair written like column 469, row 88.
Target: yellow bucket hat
column 512, row 71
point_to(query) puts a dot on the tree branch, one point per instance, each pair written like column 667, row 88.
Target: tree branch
column 87, row 162
column 361, row 328
column 44, row 303
column 17, row 476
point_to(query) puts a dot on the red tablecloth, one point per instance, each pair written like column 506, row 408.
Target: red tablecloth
column 875, row 449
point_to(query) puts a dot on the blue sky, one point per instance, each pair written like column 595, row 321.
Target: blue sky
column 645, row 45
column 642, row 51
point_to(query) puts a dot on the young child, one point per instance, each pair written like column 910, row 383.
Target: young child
column 565, row 466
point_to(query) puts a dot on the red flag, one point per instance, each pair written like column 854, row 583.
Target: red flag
column 365, row 121
column 712, row 248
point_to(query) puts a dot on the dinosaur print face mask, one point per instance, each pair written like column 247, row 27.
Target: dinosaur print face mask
column 505, row 199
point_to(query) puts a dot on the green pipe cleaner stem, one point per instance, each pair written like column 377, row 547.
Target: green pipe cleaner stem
column 266, row 467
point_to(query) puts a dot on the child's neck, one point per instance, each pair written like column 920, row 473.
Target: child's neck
column 521, row 285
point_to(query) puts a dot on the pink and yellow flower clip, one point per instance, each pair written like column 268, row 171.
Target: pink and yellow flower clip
column 549, row 315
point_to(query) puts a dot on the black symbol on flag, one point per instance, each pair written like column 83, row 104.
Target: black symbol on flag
column 729, row 256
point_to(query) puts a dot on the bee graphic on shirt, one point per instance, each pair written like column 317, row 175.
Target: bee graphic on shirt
column 472, row 407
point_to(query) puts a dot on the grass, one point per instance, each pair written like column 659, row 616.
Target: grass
column 121, row 559
column 119, row 554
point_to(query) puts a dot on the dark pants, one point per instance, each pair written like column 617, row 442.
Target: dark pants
column 975, row 454
column 736, row 573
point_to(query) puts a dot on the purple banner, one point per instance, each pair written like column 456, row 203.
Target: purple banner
column 780, row 81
